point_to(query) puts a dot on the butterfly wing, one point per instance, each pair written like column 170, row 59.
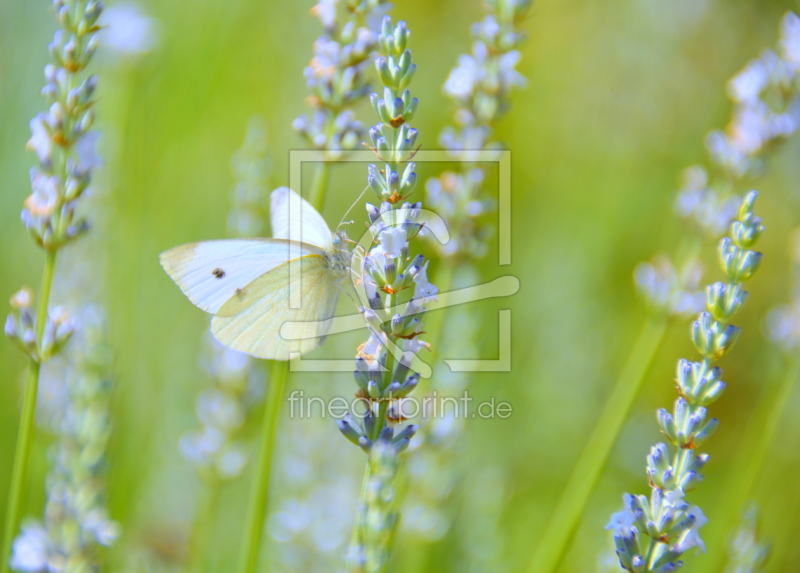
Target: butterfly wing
column 294, row 218
column 251, row 320
column 211, row 272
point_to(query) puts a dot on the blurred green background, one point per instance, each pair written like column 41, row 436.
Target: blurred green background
column 621, row 94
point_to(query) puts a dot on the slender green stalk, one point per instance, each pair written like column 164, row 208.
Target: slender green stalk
column 764, row 424
column 279, row 374
column 204, row 520
column 593, row 458
column 49, row 214
column 231, row 380
column 257, row 509
column 320, row 183
column 751, row 457
column 22, row 454
column 335, row 124
column 21, row 462
column 587, row 470
column 354, row 539
column 44, row 293
column 784, row 543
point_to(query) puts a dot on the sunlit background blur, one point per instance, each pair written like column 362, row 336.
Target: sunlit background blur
column 620, row 96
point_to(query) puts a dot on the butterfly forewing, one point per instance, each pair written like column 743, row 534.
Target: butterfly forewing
column 254, row 285
column 211, row 272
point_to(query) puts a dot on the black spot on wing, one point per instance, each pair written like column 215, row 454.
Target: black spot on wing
column 218, row 273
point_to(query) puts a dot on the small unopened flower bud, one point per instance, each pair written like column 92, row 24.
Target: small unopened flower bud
column 713, row 338
column 85, row 122
column 92, row 12
column 351, row 429
column 398, row 325
column 29, row 339
column 373, row 390
column 91, row 48
column 11, row 327
column 23, row 298
column 62, row 16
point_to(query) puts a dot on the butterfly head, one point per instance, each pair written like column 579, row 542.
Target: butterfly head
column 339, row 239
column 340, row 255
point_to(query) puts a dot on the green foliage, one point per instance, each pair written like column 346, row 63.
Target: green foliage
column 620, row 96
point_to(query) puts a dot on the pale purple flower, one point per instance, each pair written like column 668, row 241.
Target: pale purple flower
column 790, row 39
column 44, row 198
column 623, row 522
column 41, row 141
column 231, row 463
column 220, row 410
column 691, row 537
column 325, row 10
column 510, row 77
column 782, row 326
column 487, row 28
column 674, row 498
column 104, row 530
column 393, row 239
column 424, row 290
column 411, row 348
column 727, row 154
column 463, row 78
column 747, row 85
column 30, row 549
column 226, row 362
column 326, row 60
column 86, row 150
column 201, row 446
column 129, row 30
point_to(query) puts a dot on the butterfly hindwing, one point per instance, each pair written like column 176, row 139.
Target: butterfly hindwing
column 251, row 320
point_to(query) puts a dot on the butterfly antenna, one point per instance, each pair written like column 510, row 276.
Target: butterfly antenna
column 346, row 213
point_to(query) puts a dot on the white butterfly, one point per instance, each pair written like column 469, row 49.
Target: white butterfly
column 252, row 286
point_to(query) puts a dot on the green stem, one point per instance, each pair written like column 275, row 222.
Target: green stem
column 355, row 539
column 764, row 425
column 19, row 476
column 383, row 407
column 380, row 420
column 650, row 555
column 759, row 435
column 586, row 472
column 257, row 509
column 318, row 186
column 203, row 528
